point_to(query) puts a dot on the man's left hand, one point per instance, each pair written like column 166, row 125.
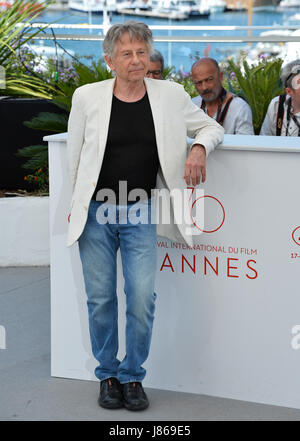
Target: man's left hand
column 195, row 166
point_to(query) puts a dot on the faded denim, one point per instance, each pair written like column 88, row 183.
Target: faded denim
column 98, row 246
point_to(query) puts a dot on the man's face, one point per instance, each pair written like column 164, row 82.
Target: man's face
column 131, row 59
column 155, row 70
column 208, row 81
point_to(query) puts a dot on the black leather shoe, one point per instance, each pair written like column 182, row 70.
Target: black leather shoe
column 134, row 396
column 110, row 394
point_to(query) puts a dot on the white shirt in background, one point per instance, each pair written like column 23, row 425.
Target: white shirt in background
column 238, row 120
column 269, row 125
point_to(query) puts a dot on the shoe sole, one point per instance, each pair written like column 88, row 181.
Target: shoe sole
column 111, row 406
column 135, row 408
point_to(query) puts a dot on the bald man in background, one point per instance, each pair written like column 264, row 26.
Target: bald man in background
column 230, row 111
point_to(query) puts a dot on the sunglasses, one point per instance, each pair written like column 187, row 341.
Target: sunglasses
column 155, row 73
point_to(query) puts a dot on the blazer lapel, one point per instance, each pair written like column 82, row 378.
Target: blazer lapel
column 153, row 89
column 105, row 104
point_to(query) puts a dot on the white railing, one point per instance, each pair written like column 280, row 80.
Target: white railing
column 177, row 38
column 276, row 35
column 167, row 27
column 181, row 39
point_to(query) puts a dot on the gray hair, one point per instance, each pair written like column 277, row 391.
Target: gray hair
column 288, row 72
column 136, row 30
column 156, row 56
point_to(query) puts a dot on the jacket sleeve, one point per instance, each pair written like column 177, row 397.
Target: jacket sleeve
column 205, row 130
column 76, row 126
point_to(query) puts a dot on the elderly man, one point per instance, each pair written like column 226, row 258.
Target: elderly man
column 283, row 115
column 131, row 130
column 156, row 66
column 232, row 112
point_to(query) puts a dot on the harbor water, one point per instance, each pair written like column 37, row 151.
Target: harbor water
column 180, row 55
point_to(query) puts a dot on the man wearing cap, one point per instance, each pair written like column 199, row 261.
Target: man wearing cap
column 283, row 115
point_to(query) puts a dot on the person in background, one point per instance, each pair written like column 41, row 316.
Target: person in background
column 229, row 110
column 156, row 66
column 283, row 114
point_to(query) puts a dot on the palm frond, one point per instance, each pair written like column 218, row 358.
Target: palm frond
column 48, row 121
column 20, row 84
column 38, row 155
column 258, row 84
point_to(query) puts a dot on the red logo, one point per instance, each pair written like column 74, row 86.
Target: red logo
column 216, row 208
column 296, row 235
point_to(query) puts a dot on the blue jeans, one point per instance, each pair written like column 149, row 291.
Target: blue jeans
column 98, row 246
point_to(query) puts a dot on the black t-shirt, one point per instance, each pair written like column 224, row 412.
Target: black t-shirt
column 131, row 152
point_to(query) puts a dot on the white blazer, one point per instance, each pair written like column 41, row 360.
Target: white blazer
column 175, row 117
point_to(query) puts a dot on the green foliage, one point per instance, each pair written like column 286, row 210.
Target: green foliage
column 189, row 86
column 15, row 33
column 86, row 74
column 13, row 36
column 168, row 72
column 183, row 78
column 37, row 154
column 22, row 85
column 38, row 164
column 258, row 84
column 41, row 179
column 67, row 81
column 81, row 74
column 52, row 122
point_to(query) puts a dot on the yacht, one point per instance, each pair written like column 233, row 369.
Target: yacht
column 295, row 17
column 216, row 5
column 256, row 5
column 94, row 6
column 192, row 8
column 288, row 4
column 155, row 9
column 142, row 5
column 169, row 8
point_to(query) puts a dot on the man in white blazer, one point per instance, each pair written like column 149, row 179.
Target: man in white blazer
column 132, row 130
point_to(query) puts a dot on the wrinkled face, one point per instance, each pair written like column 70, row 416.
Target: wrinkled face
column 295, row 92
column 154, row 70
column 208, row 81
column 131, row 59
